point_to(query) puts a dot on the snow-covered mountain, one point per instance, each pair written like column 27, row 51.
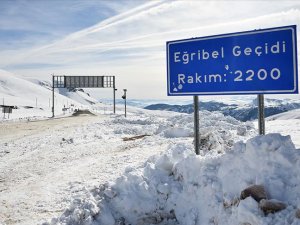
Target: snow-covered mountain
column 242, row 112
column 76, row 94
column 33, row 98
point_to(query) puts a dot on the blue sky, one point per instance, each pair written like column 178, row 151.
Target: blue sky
column 29, row 23
column 122, row 37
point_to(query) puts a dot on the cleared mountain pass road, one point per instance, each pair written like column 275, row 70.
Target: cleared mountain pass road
column 15, row 130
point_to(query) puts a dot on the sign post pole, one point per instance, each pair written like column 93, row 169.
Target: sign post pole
column 196, row 124
column 261, row 114
column 124, row 97
column 53, row 96
column 114, row 87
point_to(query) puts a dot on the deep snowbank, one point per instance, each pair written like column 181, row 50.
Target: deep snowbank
column 178, row 187
column 217, row 132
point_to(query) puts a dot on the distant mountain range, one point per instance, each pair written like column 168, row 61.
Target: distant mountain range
column 242, row 113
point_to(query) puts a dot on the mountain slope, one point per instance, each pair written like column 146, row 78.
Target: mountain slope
column 19, row 92
column 33, row 98
column 290, row 115
column 78, row 95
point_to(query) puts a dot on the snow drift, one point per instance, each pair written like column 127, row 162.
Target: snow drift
column 217, row 132
column 180, row 188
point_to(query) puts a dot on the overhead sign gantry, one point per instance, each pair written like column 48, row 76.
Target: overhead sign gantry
column 62, row 81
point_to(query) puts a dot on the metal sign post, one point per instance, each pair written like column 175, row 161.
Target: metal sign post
column 53, row 96
column 114, row 90
column 124, row 97
column 196, row 125
column 261, row 114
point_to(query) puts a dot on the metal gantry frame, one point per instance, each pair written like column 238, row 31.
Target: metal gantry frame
column 63, row 81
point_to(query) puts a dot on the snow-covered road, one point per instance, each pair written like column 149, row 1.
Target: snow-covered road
column 14, row 130
column 44, row 163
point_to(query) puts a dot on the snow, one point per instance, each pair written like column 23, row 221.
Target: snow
column 45, row 164
column 178, row 187
column 286, row 127
column 33, row 98
column 287, row 123
column 140, row 170
column 40, row 171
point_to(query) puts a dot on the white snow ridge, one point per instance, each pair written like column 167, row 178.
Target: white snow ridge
column 32, row 99
column 177, row 187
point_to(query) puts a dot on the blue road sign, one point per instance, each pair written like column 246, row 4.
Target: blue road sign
column 253, row 62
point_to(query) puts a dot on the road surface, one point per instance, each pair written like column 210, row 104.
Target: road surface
column 44, row 164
